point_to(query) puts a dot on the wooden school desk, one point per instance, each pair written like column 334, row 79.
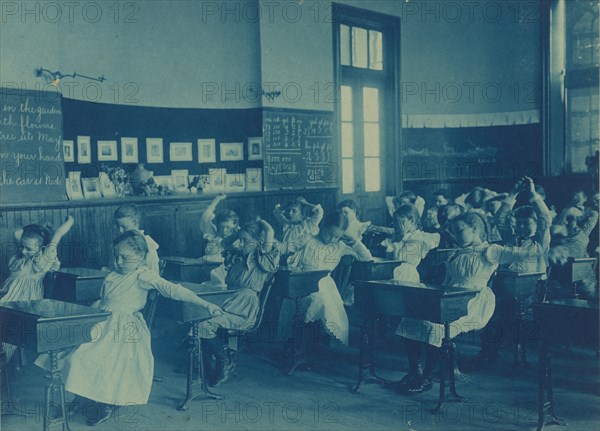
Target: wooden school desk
column 296, row 285
column 76, row 285
column 50, row 326
column 417, row 300
column 187, row 269
column 563, row 321
column 376, row 269
column 185, row 312
column 518, row 287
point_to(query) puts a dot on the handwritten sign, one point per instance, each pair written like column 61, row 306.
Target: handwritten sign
column 299, row 150
column 31, row 157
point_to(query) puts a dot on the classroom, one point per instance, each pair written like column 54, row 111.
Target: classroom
column 299, row 215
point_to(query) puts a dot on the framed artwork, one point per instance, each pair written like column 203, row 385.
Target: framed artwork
column 68, row 151
column 164, row 180
column 84, row 150
column 253, row 179
column 107, row 188
column 235, row 183
column 107, row 151
column 154, row 150
column 129, row 150
column 255, row 149
column 231, row 151
column 73, row 185
column 217, row 179
column 91, row 188
column 180, row 152
column 207, row 152
column 180, row 180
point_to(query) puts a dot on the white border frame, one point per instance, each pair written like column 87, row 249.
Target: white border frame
column 114, row 156
column 84, row 142
column 238, row 146
column 134, row 157
column 71, row 145
column 211, row 144
column 187, row 157
column 154, row 143
column 255, row 141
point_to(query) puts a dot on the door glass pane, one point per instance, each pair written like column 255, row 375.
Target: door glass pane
column 375, row 50
column 372, row 174
column 345, row 45
column 371, row 139
column 347, row 176
column 359, row 47
column 582, row 34
column 370, row 104
column 346, row 103
column 347, row 140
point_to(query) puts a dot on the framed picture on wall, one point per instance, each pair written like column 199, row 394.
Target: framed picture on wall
column 253, row 179
column 91, row 188
column 231, row 151
column 129, row 150
column 180, row 152
column 255, row 151
column 107, row 151
column 154, row 150
column 68, row 151
column 207, row 151
column 84, row 149
column 73, row 185
column 217, row 179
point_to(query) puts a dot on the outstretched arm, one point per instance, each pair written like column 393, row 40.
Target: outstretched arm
column 50, row 254
column 206, row 221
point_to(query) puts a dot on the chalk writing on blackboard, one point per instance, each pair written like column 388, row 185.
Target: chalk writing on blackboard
column 31, row 159
column 299, row 149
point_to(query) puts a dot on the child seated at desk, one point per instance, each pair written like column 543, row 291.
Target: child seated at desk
column 215, row 228
column 525, row 252
column 324, row 252
column 470, row 266
column 411, row 244
column 249, row 265
column 36, row 257
column 302, row 221
column 117, row 366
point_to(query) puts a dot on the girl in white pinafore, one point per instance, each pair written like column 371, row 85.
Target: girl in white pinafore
column 412, row 245
column 471, row 267
column 324, row 252
column 116, row 366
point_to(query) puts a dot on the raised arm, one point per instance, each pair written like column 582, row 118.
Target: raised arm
column 268, row 236
column 207, row 226
column 49, row 257
column 502, row 216
column 544, row 219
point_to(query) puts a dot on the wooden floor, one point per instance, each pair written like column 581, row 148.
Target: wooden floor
column 261, row 398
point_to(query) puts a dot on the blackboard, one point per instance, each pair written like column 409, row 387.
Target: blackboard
column 31, row 157
column 299, row 149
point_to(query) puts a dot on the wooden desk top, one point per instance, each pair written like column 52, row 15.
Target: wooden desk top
column 51, row 310
column 419, row 288
column 185, row 261
column 84, row 272
column 514, row 274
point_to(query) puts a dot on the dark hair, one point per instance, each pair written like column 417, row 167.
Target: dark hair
column 410, row 212
column 223, row 216
column 476, row 197
column 254, row 229
column 41, row 232
column 129, row 210
column 335, row 219
column 525, row 211
column 132, row 239
column 441, row 192
column 349, row 203
column 474, row 219
column 304, row 209
column 410, row 196
column 444, row 212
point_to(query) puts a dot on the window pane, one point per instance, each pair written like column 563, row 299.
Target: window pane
column 345, row 45
column 371, row 139
column 346, row 103
column 372, row 174
column 582, row 34
column 347, row 140
column 359, row 47
column 347, row 176
column 582, row 126
column 375, row 50
column 370, row 104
